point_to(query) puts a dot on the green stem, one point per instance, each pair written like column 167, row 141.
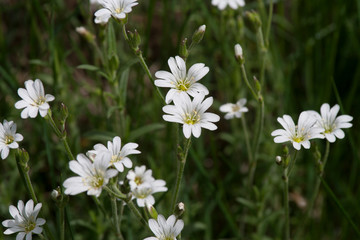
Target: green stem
column 136, row 212
column 292, row 163
column 339, row 205
column 247, row 140
column 116, row 217
column 24, row 174
column 116, row 193
column 180, row 172
column 243, row 72
column 138, row 53
column 286, row 203
column 60, row 135
column 257, row 141
column 62, row 223
column 268, row 26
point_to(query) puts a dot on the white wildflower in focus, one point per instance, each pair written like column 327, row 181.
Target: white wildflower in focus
column 181, row 82
column 139, row 176
column 300, row 134
column 25, row 220
column 118, row 156
column 165, row 229
column 234, row 110
column 113, row 8
column 34, row 99
column 8, row 138
column 144, row 192
column 93, row 176
column 331, row 123
column 222, row 4
column 191, row 114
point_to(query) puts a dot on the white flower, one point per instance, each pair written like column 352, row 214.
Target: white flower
column 234, row 4
column 93, row 176
column 118, row 156
column 234, row 110
column 331, row 123
column 300, row 134
column 8, row 138
column 238, row 51
column 143, row 193
column 139, row 176
column 113, row 8
column 191, row 114
column 24, row 222
column 165, row 229
column 34, row 99
column 180, row 82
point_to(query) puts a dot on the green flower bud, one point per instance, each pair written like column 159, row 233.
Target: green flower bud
column 199, row 34
column 152, row 211
column 184, row 53
column 254, row 19
column 179, row 210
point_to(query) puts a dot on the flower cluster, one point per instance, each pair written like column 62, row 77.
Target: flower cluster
column 165, row 229
column 222, row 4
column 312, row 125
column 143, row 185
column 24, row 221
column 191, row 113
column 8, row 138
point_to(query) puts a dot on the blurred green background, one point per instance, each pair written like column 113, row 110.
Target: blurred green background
column 312, row 58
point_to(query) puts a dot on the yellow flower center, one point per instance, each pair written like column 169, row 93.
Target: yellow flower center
column 138, row 180
column 119, row 10
column 183, row 84
column 192, row 118
column 97, row 182
column 235, row 108
column 115, row 158
column 29, row 226
column 298, row 139
column 9, row 139
column 40, row 101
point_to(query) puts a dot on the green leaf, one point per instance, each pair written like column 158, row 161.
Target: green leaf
column 144, row 130
column 246, row 202
column 101, row 136
column 88, row 67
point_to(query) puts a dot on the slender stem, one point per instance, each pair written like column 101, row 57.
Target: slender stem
column 247, row 140
column 130, row 204
column 286, row 203
column 101, row 207
column 257, row 142
column 268, row 26
column 138, row 53
column 292, row 163
column 24, row 174
column 339, row 205
column 121, row 213
column 62, row 223
column 243, row 72
column 60, row 135
column 180, row 172
column 136, row 212
column 116, row 217
column 321, row 167
column 286, row 174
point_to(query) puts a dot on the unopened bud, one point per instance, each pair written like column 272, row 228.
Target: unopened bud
column 24, row 156
column 278, row 160
column 254, row 18
column 135, row 40
column 238, row 52
column 179, row 209
column 285, row 150
column 85, row 33
column 152, row 211
column 55, row 194
column 257, row 84
column 199, row 34
column 183, row 51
